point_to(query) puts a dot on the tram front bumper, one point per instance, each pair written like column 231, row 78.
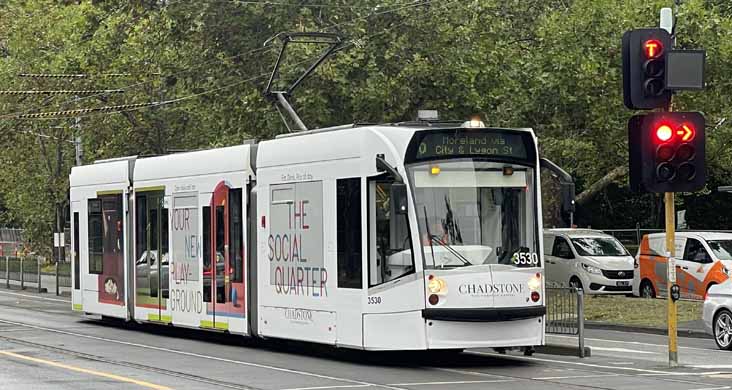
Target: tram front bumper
column 485, row 328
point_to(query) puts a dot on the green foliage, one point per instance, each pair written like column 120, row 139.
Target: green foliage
column 551, row 65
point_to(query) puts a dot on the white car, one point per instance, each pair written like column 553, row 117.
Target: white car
column 717, row 314
column 587, row 259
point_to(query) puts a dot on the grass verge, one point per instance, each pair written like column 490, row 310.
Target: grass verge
column 636, row 311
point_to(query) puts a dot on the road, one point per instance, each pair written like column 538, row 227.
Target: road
column 43, row 345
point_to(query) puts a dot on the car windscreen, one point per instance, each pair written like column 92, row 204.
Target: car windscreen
column 598, row 246
column 722, row 249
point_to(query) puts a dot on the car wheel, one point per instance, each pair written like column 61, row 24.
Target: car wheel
column 575, row 282
column 723, row 329
column 647, row 290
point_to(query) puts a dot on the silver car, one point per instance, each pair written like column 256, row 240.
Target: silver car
column 718, row 314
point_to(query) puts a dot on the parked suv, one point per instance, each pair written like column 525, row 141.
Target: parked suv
column 703, row 259
column 588, row 259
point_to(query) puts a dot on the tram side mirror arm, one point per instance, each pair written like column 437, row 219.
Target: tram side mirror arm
column 398, row 192
column 382, row 165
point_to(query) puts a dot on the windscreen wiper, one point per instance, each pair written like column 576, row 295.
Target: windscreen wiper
column 450, row 249
column 427, row 225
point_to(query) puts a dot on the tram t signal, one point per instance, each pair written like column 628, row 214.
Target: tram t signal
column 667, row 152
column 644, row 68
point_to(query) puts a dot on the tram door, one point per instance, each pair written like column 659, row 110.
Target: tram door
column 152, row 258
column 226, row 257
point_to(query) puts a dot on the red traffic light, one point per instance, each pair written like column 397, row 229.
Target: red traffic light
column 652, row 48
column 664, row 133
column 667, row 152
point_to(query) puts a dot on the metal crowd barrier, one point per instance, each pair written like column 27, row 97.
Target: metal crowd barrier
column 63, row 275
column 26, row 271
column 565, row 313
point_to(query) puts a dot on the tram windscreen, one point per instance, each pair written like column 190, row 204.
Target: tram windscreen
column 475, row 212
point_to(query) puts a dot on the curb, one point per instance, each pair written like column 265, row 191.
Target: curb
column 563, row 350
column 646, row 329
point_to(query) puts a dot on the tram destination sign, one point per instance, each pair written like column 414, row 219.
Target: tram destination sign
column 469, row 143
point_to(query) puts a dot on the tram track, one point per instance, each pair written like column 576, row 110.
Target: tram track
column 589, row 371
column 100, row 359
column 180, row 352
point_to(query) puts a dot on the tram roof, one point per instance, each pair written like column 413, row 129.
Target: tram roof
column 103, row 172
column 347, row 141
column 202, row 162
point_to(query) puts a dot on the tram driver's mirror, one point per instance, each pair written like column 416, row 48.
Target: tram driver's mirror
column 399, row 197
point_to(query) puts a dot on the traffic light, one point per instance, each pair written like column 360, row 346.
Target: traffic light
column 667, row 152
column 644, row 68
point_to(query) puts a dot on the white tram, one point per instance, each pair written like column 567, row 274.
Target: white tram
column 392, row 237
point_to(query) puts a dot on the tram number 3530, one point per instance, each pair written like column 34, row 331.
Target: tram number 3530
column 374, row 300
column 526, row 258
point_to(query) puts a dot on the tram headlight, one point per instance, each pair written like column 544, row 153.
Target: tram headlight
column 535, row 282
column 437, row 285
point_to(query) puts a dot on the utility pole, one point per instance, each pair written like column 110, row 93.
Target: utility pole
column 78, row 151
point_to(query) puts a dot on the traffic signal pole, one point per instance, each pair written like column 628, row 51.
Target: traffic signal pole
column 667, row 23
column 673, row 354
column 666, row 149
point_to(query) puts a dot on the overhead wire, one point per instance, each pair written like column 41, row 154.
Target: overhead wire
column 139, row 106
column 388, row 9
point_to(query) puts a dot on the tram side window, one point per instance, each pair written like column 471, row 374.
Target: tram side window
column 206, row 254
column 390, row 247
column 96, row 236
column 164, row 247
column 77, row 281
column 220, row 256
column 236, row 247
column 348, row 207
column 141, row 229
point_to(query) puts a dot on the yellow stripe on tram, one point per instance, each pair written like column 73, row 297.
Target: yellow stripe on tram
column 210, row 324
column 86, row 371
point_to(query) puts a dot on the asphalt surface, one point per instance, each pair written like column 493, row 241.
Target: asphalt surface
column 43, row 345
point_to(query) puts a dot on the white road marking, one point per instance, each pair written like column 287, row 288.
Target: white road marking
column 197, row 355
column 327, row 387
column 639, row 343
column 476, row 373
column 671, row 373
column 623, row 350
column 451, row 382
column 549, row 378
column 721, row 375
column 712, row 388
column 531, row 358
column 712, row 366
column 35, row 297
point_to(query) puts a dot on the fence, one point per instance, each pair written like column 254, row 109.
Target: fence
column 63, row 275
column 565, row 314
column 28, row 272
